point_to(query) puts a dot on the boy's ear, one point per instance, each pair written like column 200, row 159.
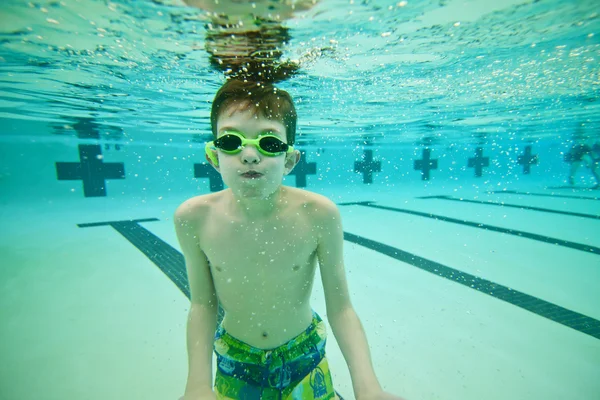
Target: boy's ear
column 214, row 163
column 210, row 153
column 291, row 160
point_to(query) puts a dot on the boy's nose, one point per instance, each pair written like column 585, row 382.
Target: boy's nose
column 250, row 154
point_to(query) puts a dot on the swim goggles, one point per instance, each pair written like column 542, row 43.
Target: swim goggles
column 232, row 142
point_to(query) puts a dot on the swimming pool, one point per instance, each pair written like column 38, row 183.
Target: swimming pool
column 439, row 128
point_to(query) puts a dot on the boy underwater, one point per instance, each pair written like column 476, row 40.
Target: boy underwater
column 252, row 249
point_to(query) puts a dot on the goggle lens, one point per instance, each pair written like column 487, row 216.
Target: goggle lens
column 228, row 142
column 272, row 145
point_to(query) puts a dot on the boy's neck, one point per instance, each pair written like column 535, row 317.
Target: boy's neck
column 256, row 208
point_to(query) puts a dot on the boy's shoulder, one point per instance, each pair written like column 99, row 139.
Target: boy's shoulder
column 307, row 196
column 195, row 207
column 319, row 205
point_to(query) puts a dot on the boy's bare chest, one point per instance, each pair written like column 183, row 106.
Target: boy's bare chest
column 254, row 264
column 267, row 246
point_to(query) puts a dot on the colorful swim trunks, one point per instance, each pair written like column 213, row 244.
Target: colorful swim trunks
column 296, row 370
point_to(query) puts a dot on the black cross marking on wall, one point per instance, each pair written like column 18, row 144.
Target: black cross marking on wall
column 527, row 159
column 302, row 169
column 368, row 166
column 426, row 164
column 478, row 162
column 91, row 170
column 207, row 171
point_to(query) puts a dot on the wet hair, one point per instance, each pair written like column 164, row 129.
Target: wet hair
column 253, row 54
column 263, row 98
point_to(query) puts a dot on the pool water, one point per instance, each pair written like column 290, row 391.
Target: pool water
column 439, row 128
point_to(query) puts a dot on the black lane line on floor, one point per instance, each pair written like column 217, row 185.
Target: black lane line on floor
column 93, row 224
column 541, row 238
column 172, row 263
column 566, row 196
column 491, row 203
column 573, row 188
column 563, row 316
column 165, row 257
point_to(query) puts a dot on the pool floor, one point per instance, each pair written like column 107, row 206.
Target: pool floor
column 463, row 295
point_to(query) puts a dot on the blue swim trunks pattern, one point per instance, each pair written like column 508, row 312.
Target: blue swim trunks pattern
column 296, row 370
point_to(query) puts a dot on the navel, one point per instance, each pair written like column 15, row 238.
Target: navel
column 296, row 267
column 265, row 334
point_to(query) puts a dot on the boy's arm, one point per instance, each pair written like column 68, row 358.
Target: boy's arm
column 202, row 317
column 344, row 322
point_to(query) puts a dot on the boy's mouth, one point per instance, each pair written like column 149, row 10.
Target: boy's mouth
column 251, row 174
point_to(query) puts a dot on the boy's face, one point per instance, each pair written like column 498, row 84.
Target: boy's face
column 232, row 166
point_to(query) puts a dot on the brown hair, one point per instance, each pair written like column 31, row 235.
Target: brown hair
column 264, row 98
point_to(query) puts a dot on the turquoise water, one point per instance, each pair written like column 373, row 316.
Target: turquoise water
column 475, row 279
column 398, row 76
column 452, row 71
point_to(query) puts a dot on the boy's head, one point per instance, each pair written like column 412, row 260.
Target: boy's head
column 254, row 128
column 264, row 99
